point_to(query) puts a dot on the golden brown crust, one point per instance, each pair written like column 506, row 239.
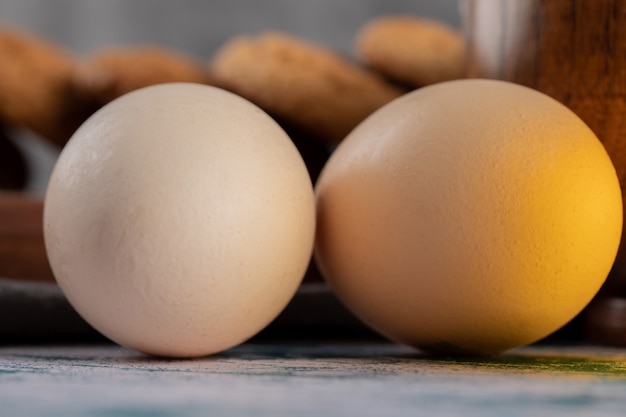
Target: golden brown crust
column 112, row 72
column 303, row 83
column 412, row 50
column 36, row 89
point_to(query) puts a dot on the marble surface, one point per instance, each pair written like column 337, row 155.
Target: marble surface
column 311, row 379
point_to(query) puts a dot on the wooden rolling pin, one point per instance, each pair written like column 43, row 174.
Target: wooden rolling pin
column 22, row 250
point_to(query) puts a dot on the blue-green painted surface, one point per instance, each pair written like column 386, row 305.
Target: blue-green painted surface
column 311, row 380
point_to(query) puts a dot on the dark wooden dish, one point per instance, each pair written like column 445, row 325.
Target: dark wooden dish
column 22, row 250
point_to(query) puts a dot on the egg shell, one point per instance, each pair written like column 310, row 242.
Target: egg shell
column 472, row 216
column 179, row 220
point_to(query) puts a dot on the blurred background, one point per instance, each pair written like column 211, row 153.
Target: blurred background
column 197, row 27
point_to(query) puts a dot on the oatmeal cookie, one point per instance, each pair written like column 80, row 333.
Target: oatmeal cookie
column 306, row 84
column 112, row 72
column 412, row 50
column 36, row 88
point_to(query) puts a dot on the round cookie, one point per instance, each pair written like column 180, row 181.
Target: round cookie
column 306, row 84
column 36, row 89
column 412, row 50
column 112, row 72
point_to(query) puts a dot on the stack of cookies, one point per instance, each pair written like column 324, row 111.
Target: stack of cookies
column 315, row 93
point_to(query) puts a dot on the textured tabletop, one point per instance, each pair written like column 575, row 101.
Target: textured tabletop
column 371, row 379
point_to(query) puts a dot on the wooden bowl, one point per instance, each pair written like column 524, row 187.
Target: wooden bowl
column 22, row 250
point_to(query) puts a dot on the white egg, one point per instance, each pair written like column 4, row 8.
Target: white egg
column 179, row 220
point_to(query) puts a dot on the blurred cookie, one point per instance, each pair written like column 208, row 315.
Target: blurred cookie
column 36, row 89
column 411, row 50
column 112, row 72
column 13, row 169
column 305, row 84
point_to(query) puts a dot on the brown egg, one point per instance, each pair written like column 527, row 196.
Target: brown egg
column 471, row 216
